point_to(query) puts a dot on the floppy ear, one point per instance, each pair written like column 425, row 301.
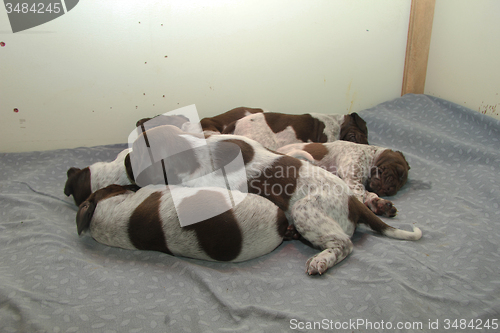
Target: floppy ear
column 84, row 216
column 403, row 156
column 128, row 168
column 71, row 171
column 401, row 171
column 230, row 128
column 360, row 122
column 68, row 187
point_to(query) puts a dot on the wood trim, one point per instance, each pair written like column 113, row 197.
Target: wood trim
column 417, row 46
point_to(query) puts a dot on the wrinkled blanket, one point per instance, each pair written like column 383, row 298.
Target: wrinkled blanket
column 51, row 280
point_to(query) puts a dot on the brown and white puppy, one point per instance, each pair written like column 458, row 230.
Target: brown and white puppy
column 82, row 182
column 323, row 209
column 146, row 219
column 370, row 171
column 275, row 130
column 210, row 125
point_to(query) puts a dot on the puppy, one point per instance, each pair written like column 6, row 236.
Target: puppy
column 321, row 206
column 210, row 125
column 82, row 182
column 275, row 130
column 369, row 171
column 148, row 220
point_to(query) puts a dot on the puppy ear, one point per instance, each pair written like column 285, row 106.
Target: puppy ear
column 71, row 171
column 360, row 122
column 68, row 187
column 141, row 121
column 403, row 156
column 84, row 216
column 229, row 128
column 128, row 168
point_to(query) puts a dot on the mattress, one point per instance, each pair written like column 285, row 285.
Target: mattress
column 52, row 280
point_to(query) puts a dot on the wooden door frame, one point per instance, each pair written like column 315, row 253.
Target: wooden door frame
column 417, row 46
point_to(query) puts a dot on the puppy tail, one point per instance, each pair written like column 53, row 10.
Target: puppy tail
column 359, row 213
column 416, row 234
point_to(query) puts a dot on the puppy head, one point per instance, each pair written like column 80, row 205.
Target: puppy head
column 389, row 174
column 354, row 129
column 87, row 208
column 78, row 184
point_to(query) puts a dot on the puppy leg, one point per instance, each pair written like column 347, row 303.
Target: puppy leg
column 323, row 232
column 339, row 247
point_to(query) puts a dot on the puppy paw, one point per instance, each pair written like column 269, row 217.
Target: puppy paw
column 316, row 265
column 383, row 207
column 291, row 233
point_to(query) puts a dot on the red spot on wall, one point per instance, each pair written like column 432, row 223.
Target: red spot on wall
column 2, row 44
column 16, row 110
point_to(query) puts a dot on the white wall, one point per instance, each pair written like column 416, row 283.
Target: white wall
column 464, row 56
column 85, row 78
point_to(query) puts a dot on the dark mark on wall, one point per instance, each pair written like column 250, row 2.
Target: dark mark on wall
column 2, row 44
column 490, row 110
column 16, row 110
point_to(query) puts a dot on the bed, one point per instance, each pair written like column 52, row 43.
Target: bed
column 51, row 280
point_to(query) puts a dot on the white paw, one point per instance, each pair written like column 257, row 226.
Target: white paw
column 316, row 265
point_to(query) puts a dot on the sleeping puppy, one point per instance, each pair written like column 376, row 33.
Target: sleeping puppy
column 369, row 171
column 275, row 130
column 82, row 182
column 215, row 124
column 323, row 209
column 148, row 220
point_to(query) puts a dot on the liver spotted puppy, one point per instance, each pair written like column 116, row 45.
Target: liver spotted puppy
column 321, row 206
column 146, row 219
column 370, row 171
column 82, row 182
column 209, row 125
column 274, row 130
